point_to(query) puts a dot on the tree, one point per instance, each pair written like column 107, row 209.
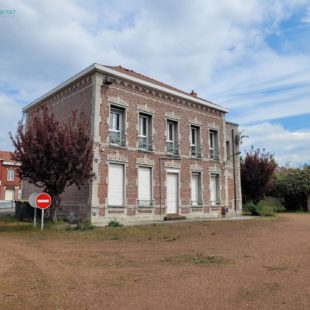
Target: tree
column 293, row 186
column 256, row 171
column 53, row 154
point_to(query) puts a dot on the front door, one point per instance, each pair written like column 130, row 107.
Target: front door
column 172, row 193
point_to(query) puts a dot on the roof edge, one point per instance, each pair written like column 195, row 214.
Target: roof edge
column 232, row 123
column 100, row 68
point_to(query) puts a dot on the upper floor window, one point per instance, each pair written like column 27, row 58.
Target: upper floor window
column 145, row 129
column 227, row 150
column 214, row 154
column 195, row 141
column 116, row 129
column 172, row 146
column 10, row 175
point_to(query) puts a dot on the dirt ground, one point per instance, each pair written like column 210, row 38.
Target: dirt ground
column 260, row 263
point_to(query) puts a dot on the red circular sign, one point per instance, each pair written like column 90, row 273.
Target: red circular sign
column 43, row 201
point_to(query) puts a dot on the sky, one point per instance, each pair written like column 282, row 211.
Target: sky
column 250, row 56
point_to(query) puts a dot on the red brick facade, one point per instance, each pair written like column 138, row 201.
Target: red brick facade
column 96, row 93
column 9, row 180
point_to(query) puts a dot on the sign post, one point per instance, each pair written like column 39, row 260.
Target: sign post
column 43, row 201
column 32, row 202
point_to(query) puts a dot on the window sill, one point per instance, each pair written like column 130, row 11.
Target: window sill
column 116, row 207
column 144, row 150
column 172, row 154
column 196, row 157
column 117, row 145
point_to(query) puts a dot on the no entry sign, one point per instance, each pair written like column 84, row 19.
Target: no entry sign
column 43, row 200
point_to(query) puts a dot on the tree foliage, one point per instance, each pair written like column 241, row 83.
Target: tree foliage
column 53, row 154
column 293, row 186
column 257, row 168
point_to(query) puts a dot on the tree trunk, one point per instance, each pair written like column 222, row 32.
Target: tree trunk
column 54, row 207
column 53, row 214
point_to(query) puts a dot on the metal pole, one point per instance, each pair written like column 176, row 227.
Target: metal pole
column 35, row 217
column 42, row 219
column 234, row 169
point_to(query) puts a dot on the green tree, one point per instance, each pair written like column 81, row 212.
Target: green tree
column 293, row 186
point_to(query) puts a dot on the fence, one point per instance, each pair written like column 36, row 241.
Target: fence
column 6, row 204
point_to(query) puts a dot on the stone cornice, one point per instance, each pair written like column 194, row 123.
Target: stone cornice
column 167, row 98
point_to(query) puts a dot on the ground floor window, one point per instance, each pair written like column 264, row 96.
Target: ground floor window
column 144, row 186
column 116, row 185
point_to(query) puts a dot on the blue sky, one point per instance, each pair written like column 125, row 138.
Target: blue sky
column 252, row 57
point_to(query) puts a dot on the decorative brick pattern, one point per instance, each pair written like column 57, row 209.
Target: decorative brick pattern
column 136, row 99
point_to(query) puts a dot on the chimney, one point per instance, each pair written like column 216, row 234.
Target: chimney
column 193, row 93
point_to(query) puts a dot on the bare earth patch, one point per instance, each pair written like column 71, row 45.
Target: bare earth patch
column 254, row 264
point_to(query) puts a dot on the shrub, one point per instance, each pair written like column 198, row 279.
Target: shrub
column 249, row 208
column 263, row 208
column 293, row 186
column 114, row 223
column 84, row 225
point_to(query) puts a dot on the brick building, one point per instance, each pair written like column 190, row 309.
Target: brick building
column 157, row 150
column 9, row 181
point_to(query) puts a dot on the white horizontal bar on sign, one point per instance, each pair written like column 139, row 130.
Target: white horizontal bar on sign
column 43, row 200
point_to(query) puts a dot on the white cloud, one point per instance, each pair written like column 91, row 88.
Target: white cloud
column 218, row 48
column 10, row 112
column 287, row 146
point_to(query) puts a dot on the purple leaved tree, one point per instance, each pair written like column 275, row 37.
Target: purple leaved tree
column 53, row 154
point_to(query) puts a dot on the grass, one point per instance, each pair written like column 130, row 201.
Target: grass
column 62, row 229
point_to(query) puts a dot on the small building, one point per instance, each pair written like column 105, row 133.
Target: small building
column 10, row 184
column 158, row 150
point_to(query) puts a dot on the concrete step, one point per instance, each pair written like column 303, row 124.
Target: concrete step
column 174, row 217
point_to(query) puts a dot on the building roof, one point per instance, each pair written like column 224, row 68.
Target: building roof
column 5, row 155
column 129, row 75
column 6, row 159
column 145, row 78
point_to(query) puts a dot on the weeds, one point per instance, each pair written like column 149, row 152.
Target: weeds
column 114, row 223
column 197, row 259
column 84, row 225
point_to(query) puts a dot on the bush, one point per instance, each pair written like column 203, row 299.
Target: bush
column 293, row 186
column 263, row 208
column 249, row 208
column 114, row 223
column 84, row 225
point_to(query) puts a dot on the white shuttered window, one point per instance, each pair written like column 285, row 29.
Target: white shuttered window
column 116, row 185
column 144, row 185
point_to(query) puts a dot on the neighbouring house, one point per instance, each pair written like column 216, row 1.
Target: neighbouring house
column 158, row 150
column 10, row 185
